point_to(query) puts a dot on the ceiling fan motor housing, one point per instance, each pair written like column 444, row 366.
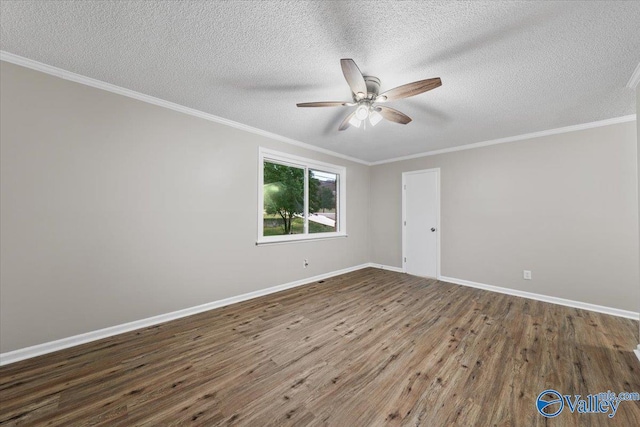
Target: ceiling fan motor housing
column 373, row 86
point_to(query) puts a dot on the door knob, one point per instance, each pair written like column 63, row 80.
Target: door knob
column 433, row 229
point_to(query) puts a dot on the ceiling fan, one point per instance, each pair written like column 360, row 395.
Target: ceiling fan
column 365, row 94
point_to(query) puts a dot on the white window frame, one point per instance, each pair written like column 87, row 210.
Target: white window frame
column 265, row 154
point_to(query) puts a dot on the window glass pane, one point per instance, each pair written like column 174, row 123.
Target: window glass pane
column 323, row 193
column 283, row 210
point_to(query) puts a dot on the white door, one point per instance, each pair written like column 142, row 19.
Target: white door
column 421, row 210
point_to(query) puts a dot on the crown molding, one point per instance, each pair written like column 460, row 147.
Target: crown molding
column 573, row 128
column 99, row 84
column 78, row 78
column 635, row 78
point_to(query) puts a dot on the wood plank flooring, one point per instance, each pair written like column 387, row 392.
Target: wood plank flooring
column 367, row 348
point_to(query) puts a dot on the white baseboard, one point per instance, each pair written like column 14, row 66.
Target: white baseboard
column 385, row 267
column 545, row 298
column 50, row 347
column 637, row 351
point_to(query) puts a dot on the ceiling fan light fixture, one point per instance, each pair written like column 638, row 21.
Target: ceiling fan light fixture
column 355, row 122
column 362, row 112
column 374, row 117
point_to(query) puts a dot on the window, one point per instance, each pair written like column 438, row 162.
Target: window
column 299, row 199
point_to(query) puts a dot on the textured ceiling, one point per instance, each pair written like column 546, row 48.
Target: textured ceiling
column 507, row 68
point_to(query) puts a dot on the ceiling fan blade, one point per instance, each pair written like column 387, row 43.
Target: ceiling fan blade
column 410, row 89
column 345, row 123
column 393, row 115
column 354, row 77
column 323, row 104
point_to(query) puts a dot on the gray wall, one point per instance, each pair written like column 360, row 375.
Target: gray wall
column 114, row 210
column 564, row 206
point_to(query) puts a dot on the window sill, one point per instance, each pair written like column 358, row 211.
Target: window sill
column 299, row 240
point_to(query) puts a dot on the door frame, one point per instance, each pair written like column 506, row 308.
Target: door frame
column 404, row 216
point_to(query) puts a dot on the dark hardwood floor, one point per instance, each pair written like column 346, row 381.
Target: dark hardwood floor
column 364, row 349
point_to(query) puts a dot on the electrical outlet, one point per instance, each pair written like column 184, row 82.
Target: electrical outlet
column 526, row 274
column 305, row 263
